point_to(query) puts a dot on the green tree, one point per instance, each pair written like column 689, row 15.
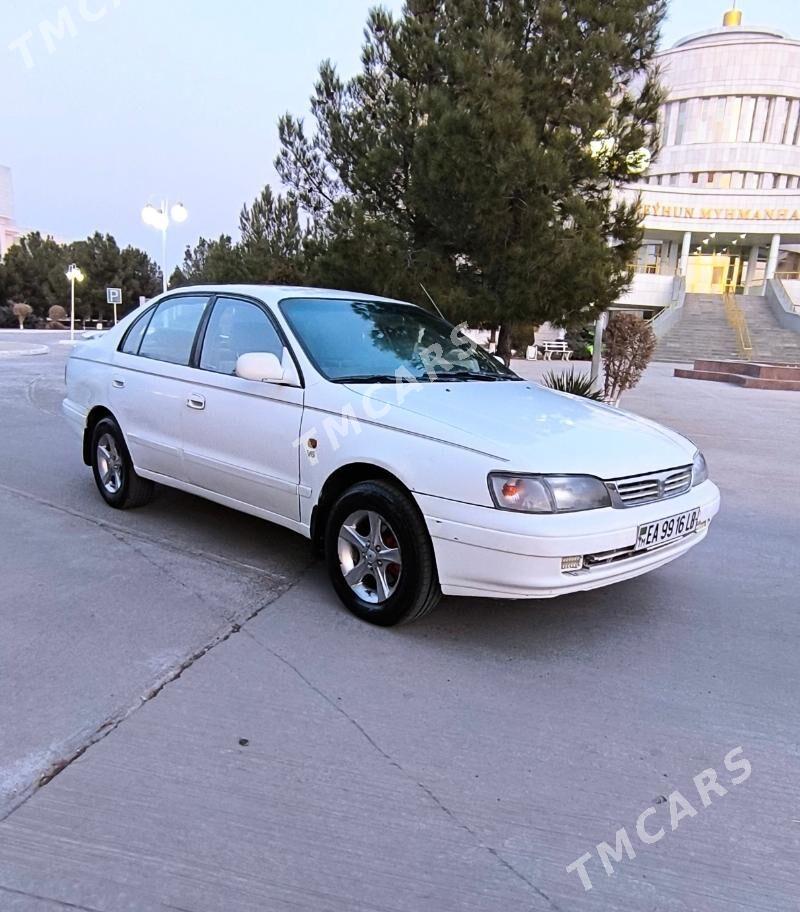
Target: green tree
column 272, row 244
column 209, row 262
column 34, row 270
column 140, row 277
column 105, row 265
column 271, row 249
column 481, row 144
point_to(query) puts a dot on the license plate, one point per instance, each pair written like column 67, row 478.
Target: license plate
column 666, row 530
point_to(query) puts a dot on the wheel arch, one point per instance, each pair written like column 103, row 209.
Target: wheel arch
column 339, row 481
column 95, row 415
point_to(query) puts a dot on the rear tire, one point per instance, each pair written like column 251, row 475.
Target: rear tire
column 379, row 555
column 114, row 475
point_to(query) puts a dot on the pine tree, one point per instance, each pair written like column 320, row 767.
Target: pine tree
column 272, row 244
column 479, row 149
column 271, row 249
column 34, row 271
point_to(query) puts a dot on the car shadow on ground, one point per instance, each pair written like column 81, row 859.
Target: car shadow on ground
column 194, row 522
column 580, row 623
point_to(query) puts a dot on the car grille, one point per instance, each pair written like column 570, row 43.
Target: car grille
column 637, row 490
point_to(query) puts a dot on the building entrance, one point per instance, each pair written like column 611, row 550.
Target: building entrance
column 715, row 273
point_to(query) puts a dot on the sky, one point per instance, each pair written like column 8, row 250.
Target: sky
column 107, row 105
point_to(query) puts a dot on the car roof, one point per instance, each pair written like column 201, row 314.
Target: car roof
column 272, row 294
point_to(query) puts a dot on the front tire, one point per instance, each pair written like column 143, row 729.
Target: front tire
column 379, row 555
column 113, row 470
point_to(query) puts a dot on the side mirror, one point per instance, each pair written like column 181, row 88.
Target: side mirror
column 264, row 367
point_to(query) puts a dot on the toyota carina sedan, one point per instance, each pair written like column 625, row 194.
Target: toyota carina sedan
column 415, row 461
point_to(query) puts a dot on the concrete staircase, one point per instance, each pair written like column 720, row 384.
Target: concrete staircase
column 703, row 332
column 772, row 344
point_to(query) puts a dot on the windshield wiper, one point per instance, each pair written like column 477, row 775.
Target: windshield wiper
column 368, row 378
column 467, row 375
column 424, row 378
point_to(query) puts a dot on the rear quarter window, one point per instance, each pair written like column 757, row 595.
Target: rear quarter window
column 135, row 334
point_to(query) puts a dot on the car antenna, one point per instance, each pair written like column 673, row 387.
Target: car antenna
column 432, row 301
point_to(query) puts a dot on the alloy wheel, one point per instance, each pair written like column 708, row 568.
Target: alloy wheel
column 110, row 464
column 369, row 556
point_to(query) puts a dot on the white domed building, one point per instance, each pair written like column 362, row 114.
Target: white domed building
column 8, row 228
column 721, row 202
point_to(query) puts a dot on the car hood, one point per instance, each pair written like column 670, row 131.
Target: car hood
column 532, row 428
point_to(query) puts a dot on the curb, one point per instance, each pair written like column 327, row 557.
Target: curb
column 20, row 352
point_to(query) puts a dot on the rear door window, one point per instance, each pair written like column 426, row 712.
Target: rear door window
column 171, row 332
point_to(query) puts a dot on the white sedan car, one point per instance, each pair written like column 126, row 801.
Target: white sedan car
column 417, row 463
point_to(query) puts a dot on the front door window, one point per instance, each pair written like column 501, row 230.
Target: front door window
column 237, row 327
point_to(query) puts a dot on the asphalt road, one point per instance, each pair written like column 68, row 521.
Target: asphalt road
column 191, row 722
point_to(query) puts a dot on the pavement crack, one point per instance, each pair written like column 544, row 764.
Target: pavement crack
column 113, row 722
column 425, row 789
column 143, row 536
column 58, row 903
column 167, row 572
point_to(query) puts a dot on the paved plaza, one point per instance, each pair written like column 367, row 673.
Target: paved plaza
column 192, row 722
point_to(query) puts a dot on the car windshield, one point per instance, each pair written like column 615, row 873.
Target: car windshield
column 385, row 342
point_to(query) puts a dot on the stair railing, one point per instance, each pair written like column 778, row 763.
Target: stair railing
column 738, row 321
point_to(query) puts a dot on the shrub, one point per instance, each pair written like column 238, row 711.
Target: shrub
column 628, row 346
column 575, row 384
column 581, row 342
column 21, row 311
column 57, row 314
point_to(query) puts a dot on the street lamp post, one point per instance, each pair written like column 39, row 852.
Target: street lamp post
column 74, row 274
column 160, row 219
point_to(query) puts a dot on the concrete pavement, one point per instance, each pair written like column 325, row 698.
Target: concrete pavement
column 308, row 761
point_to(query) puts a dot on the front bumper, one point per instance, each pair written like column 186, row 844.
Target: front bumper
column 482, row 551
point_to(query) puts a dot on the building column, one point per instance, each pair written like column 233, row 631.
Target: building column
column 752, row 265
column 685, row 250
column 772, row 261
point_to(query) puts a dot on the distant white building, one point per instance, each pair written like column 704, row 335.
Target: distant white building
column 721, row 203
column 8, row 229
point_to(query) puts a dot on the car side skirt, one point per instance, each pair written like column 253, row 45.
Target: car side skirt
column 167, row 481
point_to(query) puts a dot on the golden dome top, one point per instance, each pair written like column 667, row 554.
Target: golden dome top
column 732, row 18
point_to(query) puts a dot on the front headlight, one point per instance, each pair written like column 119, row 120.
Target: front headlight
column 548, row 493
column 699, row 469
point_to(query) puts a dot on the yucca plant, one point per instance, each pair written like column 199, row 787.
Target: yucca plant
column 576, row 384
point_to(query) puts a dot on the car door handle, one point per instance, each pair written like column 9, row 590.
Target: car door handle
column 196, row 402
column 118, row 384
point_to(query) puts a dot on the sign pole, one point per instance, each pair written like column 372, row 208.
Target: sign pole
column 114, row 297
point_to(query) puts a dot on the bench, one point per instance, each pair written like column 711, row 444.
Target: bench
column 548, row 349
